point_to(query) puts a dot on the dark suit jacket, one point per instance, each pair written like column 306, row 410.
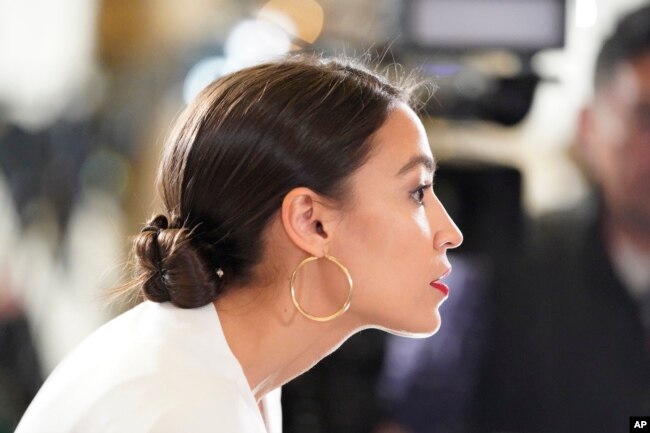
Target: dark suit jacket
column 567, row 350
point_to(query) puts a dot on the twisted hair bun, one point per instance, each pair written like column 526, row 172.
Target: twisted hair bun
column 171, row 268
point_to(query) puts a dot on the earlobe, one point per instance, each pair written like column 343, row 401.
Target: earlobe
column 303, row 217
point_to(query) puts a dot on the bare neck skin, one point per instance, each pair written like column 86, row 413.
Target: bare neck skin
column 271, row 340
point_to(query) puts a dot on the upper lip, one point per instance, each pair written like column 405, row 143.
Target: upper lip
column 444, row 274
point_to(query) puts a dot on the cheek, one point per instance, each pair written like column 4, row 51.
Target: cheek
column 400, row 242
column 408, row 240
column 608, row 137
column 605, row 161
column 422, row 224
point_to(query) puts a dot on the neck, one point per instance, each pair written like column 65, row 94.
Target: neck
column 271, row 340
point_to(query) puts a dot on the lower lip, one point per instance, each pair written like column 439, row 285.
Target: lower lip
column 440, row 286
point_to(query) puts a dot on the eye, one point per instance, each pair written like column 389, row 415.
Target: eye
column 418, row 194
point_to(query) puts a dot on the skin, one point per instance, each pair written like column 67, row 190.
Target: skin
column 392, row 244
column 614, row 144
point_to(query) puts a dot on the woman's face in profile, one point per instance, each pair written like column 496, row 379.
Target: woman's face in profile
column 395, row 237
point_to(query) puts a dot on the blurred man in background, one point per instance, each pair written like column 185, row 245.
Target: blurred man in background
column 568, row 346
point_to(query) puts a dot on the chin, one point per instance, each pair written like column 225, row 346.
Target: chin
column 422, row 329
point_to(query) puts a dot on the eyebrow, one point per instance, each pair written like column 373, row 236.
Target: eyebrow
column 415, row 161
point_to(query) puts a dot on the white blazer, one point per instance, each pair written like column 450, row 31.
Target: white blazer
column 154, row 369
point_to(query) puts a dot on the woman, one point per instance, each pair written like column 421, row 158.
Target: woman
column 298, row 211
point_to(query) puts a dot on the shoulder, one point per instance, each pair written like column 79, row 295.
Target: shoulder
column 152, row 407
column 171, row 396
column 149, row 370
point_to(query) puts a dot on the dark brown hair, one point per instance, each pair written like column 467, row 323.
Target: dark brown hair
column 630, row 40
column 246, row 141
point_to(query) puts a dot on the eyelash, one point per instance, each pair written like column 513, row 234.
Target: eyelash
column 420, row 191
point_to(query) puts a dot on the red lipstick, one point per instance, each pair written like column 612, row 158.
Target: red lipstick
column 440, row 286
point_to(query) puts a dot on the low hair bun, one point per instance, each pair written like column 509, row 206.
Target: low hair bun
column 171, row 268
column 157, row 224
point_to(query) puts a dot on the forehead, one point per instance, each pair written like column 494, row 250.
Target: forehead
column 399, row 139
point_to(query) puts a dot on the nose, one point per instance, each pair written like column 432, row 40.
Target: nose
column 446, row 233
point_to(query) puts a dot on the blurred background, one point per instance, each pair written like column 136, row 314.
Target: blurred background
column 88, row 89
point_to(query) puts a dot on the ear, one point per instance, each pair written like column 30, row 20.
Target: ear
column 308, row 220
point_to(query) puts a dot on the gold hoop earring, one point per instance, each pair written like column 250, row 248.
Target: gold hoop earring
column 341, row 310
